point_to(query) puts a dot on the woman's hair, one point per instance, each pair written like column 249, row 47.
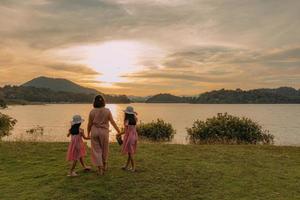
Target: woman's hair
column 99, row 101
column 130, row 118
column 74, row 130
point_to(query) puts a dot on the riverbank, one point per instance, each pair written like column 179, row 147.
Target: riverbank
column 38, row 171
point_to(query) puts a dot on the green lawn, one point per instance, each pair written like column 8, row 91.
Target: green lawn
column 38, row 171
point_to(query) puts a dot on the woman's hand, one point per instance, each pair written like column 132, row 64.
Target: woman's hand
column 118, row 134
column 88, row 137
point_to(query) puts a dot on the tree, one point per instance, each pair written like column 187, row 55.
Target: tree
column 7, row 124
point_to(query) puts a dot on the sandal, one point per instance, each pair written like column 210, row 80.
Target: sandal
column 72, row 174
column 87, row 168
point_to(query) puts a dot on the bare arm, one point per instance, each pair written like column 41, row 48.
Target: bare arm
column 125, row 124
column 113, row 123
column 89, row 126
column 83, row 135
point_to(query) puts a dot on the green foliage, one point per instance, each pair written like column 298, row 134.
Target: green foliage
column 35, row 132
column 6, row 125
column 223, row 96
column 158, row 130
column 2, row 103
column 32, row 94
column 225, row 128
column 166, row 98
column 279, row 95
column 38, row 130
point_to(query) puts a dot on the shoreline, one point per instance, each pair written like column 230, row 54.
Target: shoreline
column 152, row 142
column 70, row 103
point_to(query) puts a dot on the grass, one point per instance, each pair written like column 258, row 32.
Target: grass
column 38, row 171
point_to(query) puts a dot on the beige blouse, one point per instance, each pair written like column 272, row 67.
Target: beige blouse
column 100, row 117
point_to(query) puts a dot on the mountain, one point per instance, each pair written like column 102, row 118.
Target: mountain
column 54, row 90
column 58, row 84
column 278, row 95
column 138, row 99
column 27, row 95
column 238, row 96
column 166, row 98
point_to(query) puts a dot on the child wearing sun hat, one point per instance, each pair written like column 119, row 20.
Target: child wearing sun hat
column 130, row 137
column 76, row 149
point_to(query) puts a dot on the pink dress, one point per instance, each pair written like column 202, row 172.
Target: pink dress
column 130, row 140
column 76, row 148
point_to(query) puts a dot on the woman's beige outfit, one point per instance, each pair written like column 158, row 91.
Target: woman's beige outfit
column 99, row 118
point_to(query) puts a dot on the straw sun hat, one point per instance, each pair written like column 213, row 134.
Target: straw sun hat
column 77, row 119
column 130, row 110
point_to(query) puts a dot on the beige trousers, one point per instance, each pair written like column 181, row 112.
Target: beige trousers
column 99, row 145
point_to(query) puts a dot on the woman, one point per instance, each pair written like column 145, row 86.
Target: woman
column 98, row 131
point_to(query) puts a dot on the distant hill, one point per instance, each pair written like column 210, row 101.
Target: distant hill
column 268, row 96
column 238, row 96
column 54, row 90
column 58, row 84
column 27, row 95
column 166, row 98
column 138, row 99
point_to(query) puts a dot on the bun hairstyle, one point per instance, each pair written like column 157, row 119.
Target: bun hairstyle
column 99, row 101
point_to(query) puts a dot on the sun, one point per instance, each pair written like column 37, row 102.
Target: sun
column 113, row 59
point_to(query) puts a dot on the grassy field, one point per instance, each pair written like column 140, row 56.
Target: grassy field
column 38, row 171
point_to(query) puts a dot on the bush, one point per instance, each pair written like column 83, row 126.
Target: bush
column 2, row 103
column 6, row 125
column 35, row 132
column 225, row 128
column 158, row 130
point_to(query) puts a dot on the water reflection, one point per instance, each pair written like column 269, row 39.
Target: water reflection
column 282, row 120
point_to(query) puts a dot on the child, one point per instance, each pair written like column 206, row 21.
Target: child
column 76, row 150
column 130, row 137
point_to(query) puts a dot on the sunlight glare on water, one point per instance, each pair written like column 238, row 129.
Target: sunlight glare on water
column 281, row 120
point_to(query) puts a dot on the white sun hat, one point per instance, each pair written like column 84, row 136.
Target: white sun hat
column 77, row 119
column 129, row 110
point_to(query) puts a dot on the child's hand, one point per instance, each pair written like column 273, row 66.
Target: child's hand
column 87, row 137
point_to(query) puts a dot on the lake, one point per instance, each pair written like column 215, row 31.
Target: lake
column 282, row 120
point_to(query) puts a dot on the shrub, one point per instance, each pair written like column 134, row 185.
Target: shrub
column 6, row 125
column 35, row 132
column 2, row 103
column 158, row 130
column 38, row 130
column 225, row 128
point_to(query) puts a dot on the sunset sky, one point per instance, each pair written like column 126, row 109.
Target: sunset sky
column 144, row 47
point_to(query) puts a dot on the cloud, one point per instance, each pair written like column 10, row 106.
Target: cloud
column 230, row 67
column 209, row 43
column 59, row 23
column 80, row 69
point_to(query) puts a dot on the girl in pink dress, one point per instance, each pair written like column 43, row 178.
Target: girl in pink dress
column 76, row 150
column 130, row 138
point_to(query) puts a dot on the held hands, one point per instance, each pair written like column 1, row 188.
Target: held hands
column 88, row 137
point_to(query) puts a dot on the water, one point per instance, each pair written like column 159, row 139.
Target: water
column 282, row 120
